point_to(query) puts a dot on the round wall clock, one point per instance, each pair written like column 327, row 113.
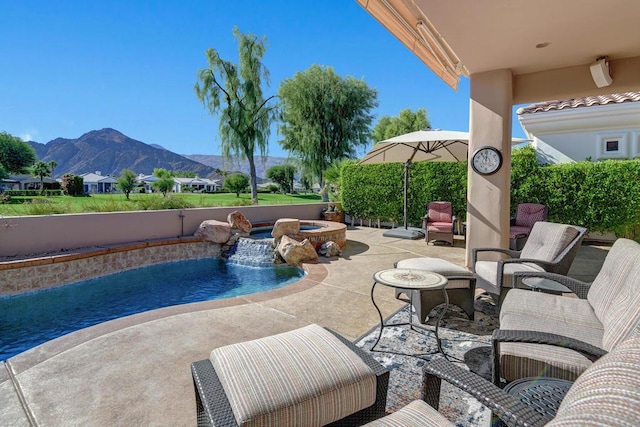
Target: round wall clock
column 486, row 160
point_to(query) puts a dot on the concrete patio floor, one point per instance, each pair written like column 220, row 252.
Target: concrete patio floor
column 136, row 370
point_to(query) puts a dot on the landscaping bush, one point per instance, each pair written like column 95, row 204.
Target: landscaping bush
column 34, row 193
column 158, row 203
column 602, row 196
column 73, row 185
column 45, row 207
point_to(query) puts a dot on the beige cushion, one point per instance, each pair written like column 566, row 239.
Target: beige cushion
column 440, row 266
column 416, row 413
column 622, row 256
column 623, row 314
column 302, row 377
column 488, row 270
column 571, row 317
column 607, row 394
column 547, row 240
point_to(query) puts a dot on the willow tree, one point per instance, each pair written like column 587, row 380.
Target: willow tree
column 325, row 117
column 235, row 93
column 407, row 121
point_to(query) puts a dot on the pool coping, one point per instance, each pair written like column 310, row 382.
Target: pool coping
column 315, row 274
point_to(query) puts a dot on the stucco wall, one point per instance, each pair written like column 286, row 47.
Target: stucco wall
column 574, row 134
column 40, row 234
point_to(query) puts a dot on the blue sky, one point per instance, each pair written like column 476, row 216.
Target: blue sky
column 69, row 67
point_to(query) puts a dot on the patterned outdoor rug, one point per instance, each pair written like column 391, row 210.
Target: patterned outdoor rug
column 466, row 343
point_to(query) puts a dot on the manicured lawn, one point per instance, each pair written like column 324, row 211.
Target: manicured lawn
column 118, row 202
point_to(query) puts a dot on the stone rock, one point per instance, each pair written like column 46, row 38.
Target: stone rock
column 329, row 249
column 239, row 222
column 294, row 252
column 214, row 231
column 285, row 226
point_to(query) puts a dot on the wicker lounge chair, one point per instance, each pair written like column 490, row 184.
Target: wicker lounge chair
column 551, row 247
column 438, row 222
column 527, row 214
column 605, row 313
column 328, row 381
column 606, row 394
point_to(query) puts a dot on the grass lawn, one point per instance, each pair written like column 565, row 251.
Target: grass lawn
column 118, row 202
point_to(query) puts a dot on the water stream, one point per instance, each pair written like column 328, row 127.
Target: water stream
column 256, row 253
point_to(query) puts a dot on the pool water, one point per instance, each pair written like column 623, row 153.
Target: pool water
column 28, row 320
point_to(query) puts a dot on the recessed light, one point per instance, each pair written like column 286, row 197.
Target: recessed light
column 542, row 45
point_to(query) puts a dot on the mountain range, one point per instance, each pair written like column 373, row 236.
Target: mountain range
column 109, row 152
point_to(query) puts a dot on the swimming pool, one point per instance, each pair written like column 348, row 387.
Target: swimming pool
column 30, row 319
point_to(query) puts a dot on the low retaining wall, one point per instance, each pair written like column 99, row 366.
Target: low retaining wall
column 31, row 235
column 60, row 269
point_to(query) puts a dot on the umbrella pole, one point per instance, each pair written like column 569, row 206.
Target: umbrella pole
column 406, row 193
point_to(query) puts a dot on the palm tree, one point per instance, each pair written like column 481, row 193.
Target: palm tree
column 40, row 169
column 52, row 166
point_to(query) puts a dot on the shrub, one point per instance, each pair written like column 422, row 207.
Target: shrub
column 45, row 207
column 73, row 185
column 159, row 203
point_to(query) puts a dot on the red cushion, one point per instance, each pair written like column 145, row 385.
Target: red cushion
column 440, row 212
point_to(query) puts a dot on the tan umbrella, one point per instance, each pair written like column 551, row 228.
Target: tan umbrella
column 422, row 145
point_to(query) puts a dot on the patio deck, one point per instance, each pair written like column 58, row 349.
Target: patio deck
column 136, row 370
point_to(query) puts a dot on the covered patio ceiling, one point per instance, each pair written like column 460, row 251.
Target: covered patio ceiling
column 541, row 42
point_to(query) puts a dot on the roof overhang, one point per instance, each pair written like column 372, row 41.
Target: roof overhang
column 547, row 45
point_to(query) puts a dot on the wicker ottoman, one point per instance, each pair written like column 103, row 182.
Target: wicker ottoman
column 460, row 289
column 307, row 377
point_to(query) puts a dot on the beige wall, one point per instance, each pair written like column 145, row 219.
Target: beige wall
column 488, row 195
column 575, row 82
column 39, row 234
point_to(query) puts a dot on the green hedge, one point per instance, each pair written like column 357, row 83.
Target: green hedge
column 602, row 196
column 34, row 193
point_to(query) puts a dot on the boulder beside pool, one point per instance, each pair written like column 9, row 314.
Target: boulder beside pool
column 214, row 231
column 285, row 226
column 239, row 222
column 294, row 252
column 330, row 249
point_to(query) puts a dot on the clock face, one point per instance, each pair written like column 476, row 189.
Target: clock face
column 486, row 160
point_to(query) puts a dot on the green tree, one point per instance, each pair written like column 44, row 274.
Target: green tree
column 407, row 121
column 16, row 156
column 73, row 185
column 165, row 182
column 39, row 170
column 283, row 175
column 235, row 92
column 236, row 183
column 325, row 117
column 127, row 182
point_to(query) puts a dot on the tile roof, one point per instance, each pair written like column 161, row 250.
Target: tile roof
column 588, row 101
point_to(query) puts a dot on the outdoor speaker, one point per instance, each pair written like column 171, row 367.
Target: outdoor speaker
column 600, row 72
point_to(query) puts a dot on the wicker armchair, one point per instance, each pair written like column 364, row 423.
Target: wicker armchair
column 533, row 324
column 551, row 247
column 527, row 214
column 606, row 394
column 439, row 221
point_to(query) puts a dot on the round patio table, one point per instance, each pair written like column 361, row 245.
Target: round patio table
column 409, row 279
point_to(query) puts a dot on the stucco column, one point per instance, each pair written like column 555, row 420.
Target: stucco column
column 488, row 195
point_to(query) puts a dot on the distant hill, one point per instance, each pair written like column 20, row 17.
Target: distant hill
column 109, row 152
column 219, row 162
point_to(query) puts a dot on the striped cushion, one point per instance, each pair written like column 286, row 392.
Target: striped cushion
column 440, row 266
column 623, row 315
column 488, row 270
column 607, row 394
column 302, row 377
column 440, row 212
column 416, row 413
column 530, row 213
column 572, row 317
column 547, row 240
column 622, row 256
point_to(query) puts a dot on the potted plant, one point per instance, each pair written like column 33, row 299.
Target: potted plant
column 331, row 212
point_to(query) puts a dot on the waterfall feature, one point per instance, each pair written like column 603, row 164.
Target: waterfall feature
column 256, row 253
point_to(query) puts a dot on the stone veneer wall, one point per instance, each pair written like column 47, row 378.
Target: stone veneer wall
column 48, row 271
